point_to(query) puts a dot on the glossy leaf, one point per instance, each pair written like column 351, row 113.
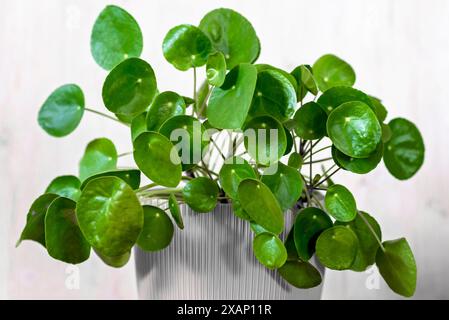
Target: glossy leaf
column 269, row 250
column 231, row 34
column 230, row 103
column 309, row 224
column 130, row 176
column 306, row 81
column 157, row 158
column 292, row 253
column 336, row 248
column 186, row 46
column 261, row 205
column 165, row 106
column 257, row 229
column 295, row 160
column 100, row 156
column 358, row 165
column 129, row 88
column 290, row 77
column 310, row 121
column 109, row 215
column 157, row 231
column 289, row 140
column 175, row 212
column 397, row 266
column 386, row 133
column 201, row 194
column 300, row 274
column 239, row 211
column 65, row 186
column 354, row 129
column 336, row 96
column 216, row 69
column 115, row 37
column 61, row 113
column 233, row 171
column 115, row 262
column 379, row 109
column 331, row 71
column 63, row 237
column 340, row 203
column 404, row 152
column 138, row 125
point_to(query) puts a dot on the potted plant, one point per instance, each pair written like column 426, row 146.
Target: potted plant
column 232, row 169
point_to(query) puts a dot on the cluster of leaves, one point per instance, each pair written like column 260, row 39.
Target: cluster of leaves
column 101, row 208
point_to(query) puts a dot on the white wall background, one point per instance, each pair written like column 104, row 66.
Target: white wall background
column 399, row 49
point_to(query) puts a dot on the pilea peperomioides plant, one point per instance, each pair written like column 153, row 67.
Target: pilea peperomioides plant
column 266, row 127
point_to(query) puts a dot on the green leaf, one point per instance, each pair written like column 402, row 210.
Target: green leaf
column 61, row 113
column 130, row 176
column 262, row 67
column 292, row 253
column 165, row 106
column 354, row 129
column 358, row 165
column 265, row 139
column 269, row 250
column 233, row 171
column 310, row 121
column 201, row 194
column 65, row 186
column 336, row 96
column 230, row 103
column 330, row 71
column 336, row 248
column 157, row 231
column 379, row 109
column 256, row 228
column 261, row 205
column 129, row 88
column 157, row 158
column 115, row 37
column 35, row 225
column 63, row 237
column 397, row 266
column 306, row 81
column 239, row 211
column 117, row 261
column 231, row 34
column 295, row 160
column 274, row 95
column 138, row 125
column 289, row 140
column 186, row 46
column 216, row 69
column 309, row 224
column 100, row 156
column 109, row 215
column 368, row 245
column 386, row 133
column 340, row 203
column 300, row 274
column 404, row 152
column 188, row 101
column 285, row 183
column 189, row 137
column 175, row 212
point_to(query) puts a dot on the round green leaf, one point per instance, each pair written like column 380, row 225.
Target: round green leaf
column 336, row 248
column 368, row 245
column 188, row 135
column 62, row 111
column 115, row 37
column 100, row 156
column 354, row 129
column 358, row 165
column 295, row 160
column 309, row 224
column 230, row 103
column 269, row 250
column 201, row 194
column 138, row 125
column 63, row 237
column 300, row 274
column 379, row 109
column 233, row 171
column 231, row 34
column 262, row 67
column 175, row 212
column 261, row 205
column 340, row 203
column 157, row 158
column 386, row 133
column 186, row 46
column 216, row 69
column 336, row 96
column 289, row 138
column 292, row 253
column 257, row 229
column 109, row 215
column 129, row 88
column 404, row 152
column 117, row 261
column 239, row 211
column 130, row 176
column 306, row 81
column 285, row 183
column 397, row 266
column 265, row 139
column 166, row 105
column 274, row 95
column 330, row 71
column 310, row 121
column 65, row 186
column 35, row 224
column 157, row 231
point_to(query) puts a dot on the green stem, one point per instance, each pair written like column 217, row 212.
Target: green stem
column 218, row 149
column 326, row 178
column 317, row 161
column 166, row 191
column 124, row 154
column 203, row 105
column 194, row 92
column 307, row 191
column 106, row 116
column 372, row 230
column 319, row 150
column 148, row 186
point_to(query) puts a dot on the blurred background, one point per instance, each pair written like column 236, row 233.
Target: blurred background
column 398, row 48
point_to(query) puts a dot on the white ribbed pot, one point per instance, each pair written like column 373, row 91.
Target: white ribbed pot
column 212, row 258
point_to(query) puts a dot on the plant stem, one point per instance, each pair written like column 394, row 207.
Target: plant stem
column 105, row 115
column 316, row 161
column 310, row 166
column 372, row 230
column 218, row 149
column 124, row 154
column 194, row 92
column 319, row 150
column 326, row 178
column 203, row 105
column 307, row 191
column 148, row 186
column 166, row 191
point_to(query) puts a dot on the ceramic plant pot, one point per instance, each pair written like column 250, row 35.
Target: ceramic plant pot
column 212, row 258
